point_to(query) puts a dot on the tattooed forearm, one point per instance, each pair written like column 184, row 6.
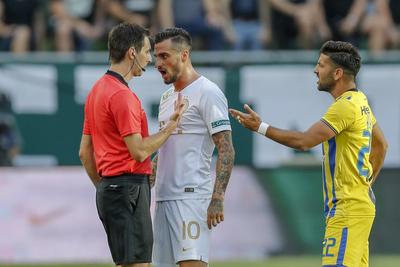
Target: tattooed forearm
column 152, row 178
column 226, row 156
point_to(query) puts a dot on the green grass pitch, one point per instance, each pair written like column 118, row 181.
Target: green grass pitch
column 287, row 261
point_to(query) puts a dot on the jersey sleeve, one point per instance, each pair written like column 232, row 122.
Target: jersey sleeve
column 340, row 115
column 373, row 119
column 214, row 110
column 126, row 110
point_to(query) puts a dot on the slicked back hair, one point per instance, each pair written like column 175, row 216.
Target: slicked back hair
column 343, row 54
column 179, row 37
column 122, row 37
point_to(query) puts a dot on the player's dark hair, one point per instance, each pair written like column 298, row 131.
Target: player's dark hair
column 344, row 55
column 122, row 37
column 178, row 36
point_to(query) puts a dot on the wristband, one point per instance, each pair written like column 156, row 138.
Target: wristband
column 263, row 128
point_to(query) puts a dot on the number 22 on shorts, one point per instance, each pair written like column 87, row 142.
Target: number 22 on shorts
column 327, row 244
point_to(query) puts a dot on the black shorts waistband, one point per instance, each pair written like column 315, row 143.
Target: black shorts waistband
column 127, row 177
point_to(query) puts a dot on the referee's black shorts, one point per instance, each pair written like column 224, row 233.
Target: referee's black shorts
column 123, row 205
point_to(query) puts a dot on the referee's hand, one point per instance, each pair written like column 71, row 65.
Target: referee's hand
column 215, row 212
column 179, row 108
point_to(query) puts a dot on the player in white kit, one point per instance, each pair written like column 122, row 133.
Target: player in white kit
column 188, row 203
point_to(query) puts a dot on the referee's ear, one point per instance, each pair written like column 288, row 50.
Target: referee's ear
column 132, row 53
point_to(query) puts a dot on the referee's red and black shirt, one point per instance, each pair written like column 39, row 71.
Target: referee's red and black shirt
column 113, row 111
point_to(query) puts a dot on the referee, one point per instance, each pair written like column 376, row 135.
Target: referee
column 116, row 146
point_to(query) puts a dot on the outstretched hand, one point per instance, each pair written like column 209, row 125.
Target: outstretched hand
column 251, row 120
column 179, row 108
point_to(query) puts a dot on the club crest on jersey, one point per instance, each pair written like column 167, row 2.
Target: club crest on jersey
column 167, row 94
column 185, row 103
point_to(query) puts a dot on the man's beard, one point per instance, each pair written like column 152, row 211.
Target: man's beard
column 327, row 86
column 172, row 79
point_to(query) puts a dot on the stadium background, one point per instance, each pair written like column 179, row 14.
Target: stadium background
column 274, row 201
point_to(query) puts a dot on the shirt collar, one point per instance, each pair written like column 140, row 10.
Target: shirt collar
column 118, row 76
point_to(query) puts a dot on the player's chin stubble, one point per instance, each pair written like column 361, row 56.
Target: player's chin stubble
column 325, row 87
column 171, row 80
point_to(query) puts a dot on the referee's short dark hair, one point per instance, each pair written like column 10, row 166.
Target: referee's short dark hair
column 178, row 36
column 122, row 37
column 343, row 54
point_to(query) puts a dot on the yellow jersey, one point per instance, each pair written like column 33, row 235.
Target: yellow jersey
column 346, row 167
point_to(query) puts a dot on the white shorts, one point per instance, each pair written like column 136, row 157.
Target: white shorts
column 181, row 232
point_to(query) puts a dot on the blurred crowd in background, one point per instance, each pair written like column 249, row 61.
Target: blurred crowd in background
column 10, row 138
column 82, row 25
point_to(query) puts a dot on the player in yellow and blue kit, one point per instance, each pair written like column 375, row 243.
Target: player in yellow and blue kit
column 347, row 173
column 354, row 149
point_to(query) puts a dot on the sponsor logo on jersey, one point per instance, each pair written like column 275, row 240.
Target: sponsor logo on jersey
column 365, row 110
column 220, row 123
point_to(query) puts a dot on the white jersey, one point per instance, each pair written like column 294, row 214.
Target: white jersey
column 183, row 170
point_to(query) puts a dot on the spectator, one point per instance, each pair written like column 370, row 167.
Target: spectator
column 394, row 7
column 76, row 23
column 10, row 141
column 205, row 20
column 21, row 25
column 133, row 11
column 251, row 23
column 295, row 24
column 344, row 18
column 381, row 25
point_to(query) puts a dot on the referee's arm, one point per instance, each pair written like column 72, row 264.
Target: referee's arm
column 86, row 155
column 141, row 148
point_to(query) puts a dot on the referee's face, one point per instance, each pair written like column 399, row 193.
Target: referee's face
column 143, row 58
column 168, row 61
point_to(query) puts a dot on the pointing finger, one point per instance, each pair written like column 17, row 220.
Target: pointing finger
column 178, row 102
column 236, row 113
column 248, row 109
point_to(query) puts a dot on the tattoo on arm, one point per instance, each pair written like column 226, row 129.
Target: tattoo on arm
column 152, row 178
column 226, row 156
